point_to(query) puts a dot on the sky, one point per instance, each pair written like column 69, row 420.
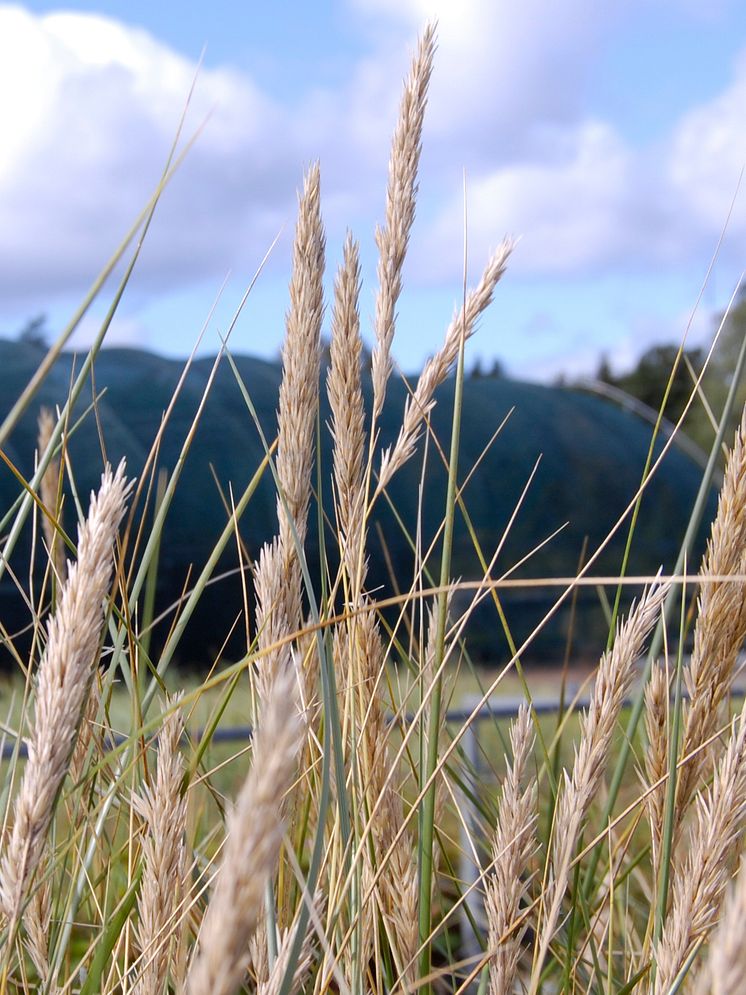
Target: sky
column 609, row 136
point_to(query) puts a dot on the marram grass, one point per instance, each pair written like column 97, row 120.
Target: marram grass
column 351, row 846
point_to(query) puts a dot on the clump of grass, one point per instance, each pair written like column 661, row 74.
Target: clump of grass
column 701, row 879
column 720, row 629
column 162, row 806
column 513, row 845
column 616, row 673
column 63, row 682
column 253, row 838
column 127, row 866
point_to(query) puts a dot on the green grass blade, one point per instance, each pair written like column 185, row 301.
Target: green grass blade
column 109, row 938
column 427, row 809
column 695, row 521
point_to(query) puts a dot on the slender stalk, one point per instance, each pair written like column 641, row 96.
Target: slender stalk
column 667, row 835
column 427, row 810
column 254, row 837
column 64, row 677
column 695, row 520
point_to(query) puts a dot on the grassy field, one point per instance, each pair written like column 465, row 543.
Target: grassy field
column 337, row 850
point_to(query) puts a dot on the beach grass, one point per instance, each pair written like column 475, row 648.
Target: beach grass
column 359, row 840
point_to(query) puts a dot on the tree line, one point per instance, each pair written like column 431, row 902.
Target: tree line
column 669, row 372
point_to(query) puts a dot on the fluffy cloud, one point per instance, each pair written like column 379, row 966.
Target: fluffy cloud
column 91, row 106
column 510, row 103
column 93, row 110
column 507, row 74
column 707, row 154
column 607, row 203
column 565, row 211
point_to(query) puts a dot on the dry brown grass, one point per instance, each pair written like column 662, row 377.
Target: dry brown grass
column 147, row 877
column 254, row 834
column 616, row 672
column 699, row 883
column 401, row 197
column 62, row 685
column 163, row 809
column 348, row 415
column 720, row 629
column 436, row 369
column 513, row 845
column 656, row 756
column 49, row 492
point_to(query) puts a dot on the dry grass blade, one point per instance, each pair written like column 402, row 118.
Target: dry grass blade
column 396, row 889
column 49, row 494
column 299, row 389
column 254, row 834
column 721, row 623
column 616, row 672
column 348, row 414
column 62, row 686
column 725, row 969
column 700, row 882
column 513, row 843
column 656, row 756
column 437, row 368
column 428, row 679
column 270, row 585
column 303, row 965
column 163, row 808
column 401, row 196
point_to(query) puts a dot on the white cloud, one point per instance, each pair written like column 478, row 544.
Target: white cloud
column 90, row 105
column 505, row 71
column 89, row 109
column 707, row 154
column 510, row 103
column 565, row 211
column 126, row 331
column 94, row 109
column 606, row 203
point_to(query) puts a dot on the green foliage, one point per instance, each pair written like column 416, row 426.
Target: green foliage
column 34, row 332
column 648, row 379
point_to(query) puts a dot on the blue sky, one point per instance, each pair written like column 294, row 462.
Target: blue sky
column 609, row 136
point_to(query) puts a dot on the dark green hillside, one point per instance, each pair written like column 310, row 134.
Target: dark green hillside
column 592, row 456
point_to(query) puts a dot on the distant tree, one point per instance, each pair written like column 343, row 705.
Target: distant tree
column 603, row 373
column 477, row 371
column 731, row 337
column 648, row 380
column 35, row 331
column 497, row 370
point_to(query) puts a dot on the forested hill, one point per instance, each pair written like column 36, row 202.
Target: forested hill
column 592, row 454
